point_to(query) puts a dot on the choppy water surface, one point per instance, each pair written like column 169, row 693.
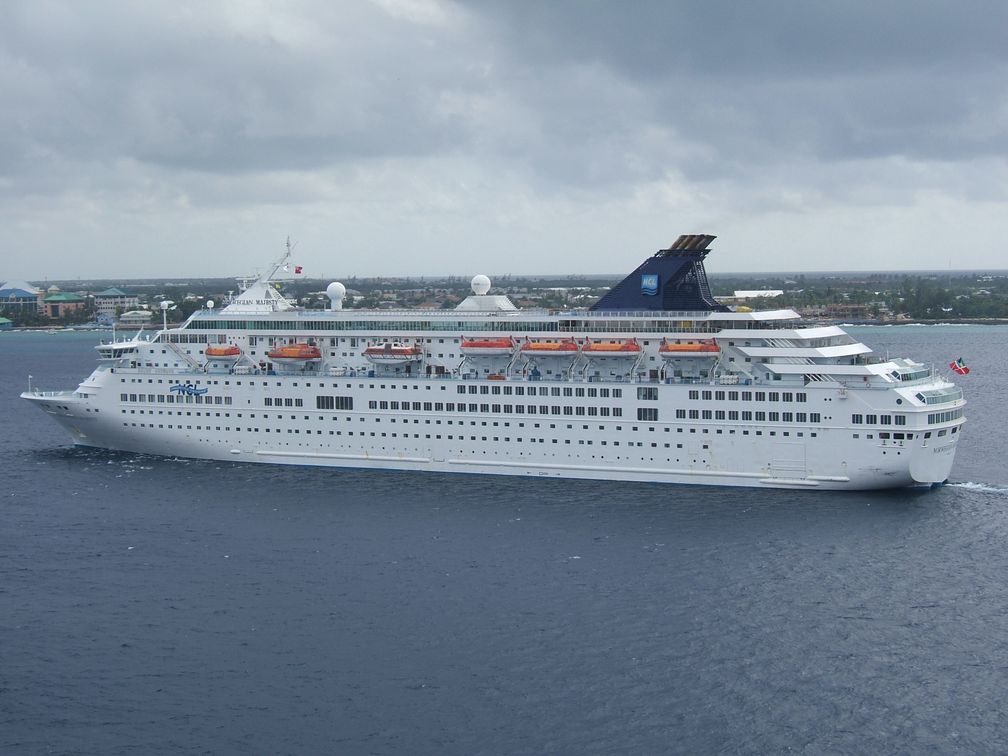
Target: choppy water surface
column 154, row 605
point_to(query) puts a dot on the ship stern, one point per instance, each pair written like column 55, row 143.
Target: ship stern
column 931, row 463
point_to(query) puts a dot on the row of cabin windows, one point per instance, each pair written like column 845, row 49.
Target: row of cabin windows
column 748, row 415
column 581, row 442
column 484, row 423
column 334, row 402
column 277, row 401
column 747, row 396
column 944, row 417
column 603, row 393
column 173, row 399
column 859, row 419
column 507, row 409
column 896, row 436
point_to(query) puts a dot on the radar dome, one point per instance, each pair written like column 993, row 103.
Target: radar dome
column 209, row 304
column 336, row 293
column 480, row 285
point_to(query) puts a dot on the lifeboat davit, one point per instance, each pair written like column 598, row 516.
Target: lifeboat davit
column 612, row 348
column 564, row 348
column 393, row 353
column 671, row 349
column 487, row 347
column 222, row 353
column 295, row 353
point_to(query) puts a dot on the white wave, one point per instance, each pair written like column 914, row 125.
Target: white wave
column 908, row 325
column 986, row 487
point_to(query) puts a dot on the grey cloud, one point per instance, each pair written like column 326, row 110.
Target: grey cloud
column 504, row 113
column 165, row 89
column 598, row 94
column 762, row 82
column 656, row 39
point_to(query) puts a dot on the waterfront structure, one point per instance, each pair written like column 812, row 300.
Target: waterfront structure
column 20, row 297
column 113, row 301
column 135, row 318
column 656, row 382
column 58, row 304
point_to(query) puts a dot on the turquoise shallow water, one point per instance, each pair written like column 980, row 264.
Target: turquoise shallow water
column 156, row 605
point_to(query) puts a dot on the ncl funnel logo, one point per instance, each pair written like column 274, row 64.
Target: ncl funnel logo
column 649, row 284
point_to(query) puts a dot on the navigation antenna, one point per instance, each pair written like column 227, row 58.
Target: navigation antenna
column 281, row 263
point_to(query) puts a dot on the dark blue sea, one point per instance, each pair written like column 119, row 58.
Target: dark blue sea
column 153, row 605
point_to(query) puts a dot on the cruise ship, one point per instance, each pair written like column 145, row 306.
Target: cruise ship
column 655, row 382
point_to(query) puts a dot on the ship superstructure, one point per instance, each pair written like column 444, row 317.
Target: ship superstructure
column 627, row 390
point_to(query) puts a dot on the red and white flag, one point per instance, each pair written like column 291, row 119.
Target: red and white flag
column 297, row 270
column 959, row 366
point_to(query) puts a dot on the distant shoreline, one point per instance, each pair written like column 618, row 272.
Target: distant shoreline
column 916, row 321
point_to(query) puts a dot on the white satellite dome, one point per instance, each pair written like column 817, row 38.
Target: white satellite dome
column 210, row 304
column 336, row 293
column 480, row 285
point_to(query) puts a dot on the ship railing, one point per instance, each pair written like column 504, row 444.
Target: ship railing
column 916, row 381
column 468, row 314
column 931, row 377
column 673, row 314
column 154, row 371
column 722, row 379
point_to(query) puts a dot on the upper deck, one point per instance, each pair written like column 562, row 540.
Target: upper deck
column 515, row 321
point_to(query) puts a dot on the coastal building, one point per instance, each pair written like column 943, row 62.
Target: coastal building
column 20, row 296
column 5, row 324
column 113, row 301
column 837, row 311
column 135, row 318
column 757, row 293
column 60, row 304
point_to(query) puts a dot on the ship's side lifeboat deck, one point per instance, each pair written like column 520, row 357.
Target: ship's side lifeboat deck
column 393, row 353
column 293, row 353
column 674, row 349
column 487, row 347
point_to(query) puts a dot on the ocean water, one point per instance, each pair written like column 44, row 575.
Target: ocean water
column 152, row 605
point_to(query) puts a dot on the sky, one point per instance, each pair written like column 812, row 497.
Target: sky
column 426, row 137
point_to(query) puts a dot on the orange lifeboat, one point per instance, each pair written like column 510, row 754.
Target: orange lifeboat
column 611, row 348
column 222, row 352
column 487, row 347
column 563, row 348
column 670, row 349
column 392, row 353
column 293, row 353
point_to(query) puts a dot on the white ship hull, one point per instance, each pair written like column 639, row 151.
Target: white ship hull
column 819, row 456
column 779, row 404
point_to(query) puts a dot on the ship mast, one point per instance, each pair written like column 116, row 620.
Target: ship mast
column 281, row 263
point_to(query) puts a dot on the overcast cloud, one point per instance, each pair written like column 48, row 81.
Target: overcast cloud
column 418, row 137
